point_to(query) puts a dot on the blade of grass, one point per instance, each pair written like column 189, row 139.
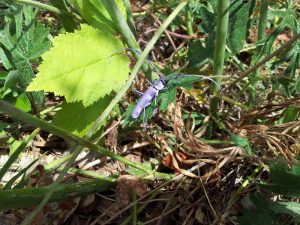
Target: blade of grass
column 17, row 152
column 142, row 207
column 19, row 174
column 18, row 198
column 130, row 20
column 134, row 209
column 261, row 33
column 189, row 19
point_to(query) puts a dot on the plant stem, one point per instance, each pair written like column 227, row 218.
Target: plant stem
column 130, row 20
column 219, row 53
column 20, row 198
column 189, row 19
column 262, row 22
column 136, row 68
column 134, row 209
column 41, row 5
column 122, row 26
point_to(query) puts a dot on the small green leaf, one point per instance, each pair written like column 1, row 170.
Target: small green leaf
column 197, row 54
column 12, row 80
column 89, row 70
column 166, row 98
column 13, row 145
column 23, row 103
column 241, row 142
column 290, row 114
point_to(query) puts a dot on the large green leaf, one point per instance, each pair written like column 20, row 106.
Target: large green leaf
column 81, row 66
column 285, row 181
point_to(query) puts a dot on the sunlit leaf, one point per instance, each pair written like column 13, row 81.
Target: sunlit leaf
column 87, row 70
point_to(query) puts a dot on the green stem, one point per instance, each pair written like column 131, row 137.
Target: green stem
column 130, row 20
column 41, row 5
column 128, row 37
column 189, row 19
column 219, row 53
column 262, row 23
column 20, row 198
column 246, row 182
column 143, row 206
column 234, row 102
column 134, row 209
column 136, row 68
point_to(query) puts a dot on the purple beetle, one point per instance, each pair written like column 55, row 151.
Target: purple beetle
column 148, row 96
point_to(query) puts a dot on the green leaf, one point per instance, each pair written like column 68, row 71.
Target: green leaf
column 285, row 180
column 89, row 71
column 291, row 208
column 198, row 54
column 241, row 142
column 290, row 114
column 23, row 103
column 95, row 13
column 289, row 19
column 23, row 39
column 13, row 145
column 76, row 118
column 238, row 25
column 166, row 98
column 67, row 20
column 262, row 214
column 12, row 80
